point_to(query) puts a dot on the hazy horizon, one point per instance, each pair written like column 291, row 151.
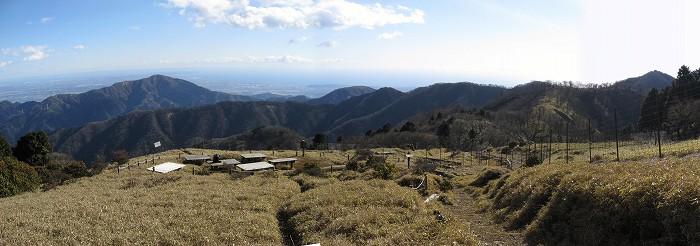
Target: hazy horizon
column 398, row 43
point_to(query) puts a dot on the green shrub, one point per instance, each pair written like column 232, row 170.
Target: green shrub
column 203, row 171
column 532, row 161
column 374, row 160
column 352, row 165
column 313, row 169
column 384, row 170
column 77, row 169
column 16, row 177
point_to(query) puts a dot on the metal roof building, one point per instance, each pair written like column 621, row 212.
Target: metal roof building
column 228, row 163
column 283, row 161
column 166, row 167
column 257, row 166
column 253, row 157
column 196, row 158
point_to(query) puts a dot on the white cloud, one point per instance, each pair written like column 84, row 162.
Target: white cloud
column 298, row 40
column 295, row 14
column 79, row 47
column 264, row 59
column 30, row 22
column 135, row 28
column 5, row 63
column 47, row 19
column 328, row 44
column 8, row 51
column 392, row 35
column 35, row 52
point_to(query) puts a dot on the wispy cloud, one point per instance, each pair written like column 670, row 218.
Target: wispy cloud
column 5, row 63
column 267, row 59
column 35, row 53
column 328, row 44
column 31, row 52
column 298, row 40
column 47, row 19
column 135, row 28
column 285, row 59
column 79, row 47
column 390, row 35
column 8, row 51
column 295, row 14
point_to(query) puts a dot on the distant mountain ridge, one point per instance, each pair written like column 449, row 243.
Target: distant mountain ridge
column 134, row 124
column 9, row 110
column 186, row 127
column 69, row 110
column 342, row 94
column 653, row 79
column 421, row 100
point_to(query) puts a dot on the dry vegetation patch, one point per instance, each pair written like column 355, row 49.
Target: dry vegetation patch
column 375, row 212
column 614, row 203
column 141, row 207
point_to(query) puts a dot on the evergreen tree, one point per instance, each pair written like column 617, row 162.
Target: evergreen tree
column 386, row 128
column 318, row 140
column 409, row 126
column 650, row 111
column 33, row 148
column 5, row 148
column 339, row 139
column 695, row 85
column 443, row 130
column 683, row 86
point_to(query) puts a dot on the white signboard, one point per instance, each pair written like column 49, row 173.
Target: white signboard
column 156, row 144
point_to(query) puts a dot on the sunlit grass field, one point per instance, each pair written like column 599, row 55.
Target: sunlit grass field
column 640, row 200
column 141, row 207
column 135, row 206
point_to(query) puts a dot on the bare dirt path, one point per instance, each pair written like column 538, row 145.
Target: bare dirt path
column 464, row 208
column 489, row 233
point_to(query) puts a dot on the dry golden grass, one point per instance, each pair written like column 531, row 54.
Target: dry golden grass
column 376, row 212
column 141, row 207
column 629, row 151
column 136, row 206
column 634, row 202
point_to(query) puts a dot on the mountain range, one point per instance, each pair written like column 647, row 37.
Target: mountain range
column 132, row 115
column 155, row 92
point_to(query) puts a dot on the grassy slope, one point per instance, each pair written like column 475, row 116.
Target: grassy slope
column 648, row 201
column 136, row 206
column 375, row 212
column 140, row 207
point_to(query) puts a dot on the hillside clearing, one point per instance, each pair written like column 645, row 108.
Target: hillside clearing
column 141, row 207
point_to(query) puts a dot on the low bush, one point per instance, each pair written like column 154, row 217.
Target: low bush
column 312, row 168
column 352, row 165
column 16, row 177
column 532, row 161
column 384, row 170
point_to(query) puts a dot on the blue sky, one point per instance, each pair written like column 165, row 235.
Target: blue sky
column 501, row 41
